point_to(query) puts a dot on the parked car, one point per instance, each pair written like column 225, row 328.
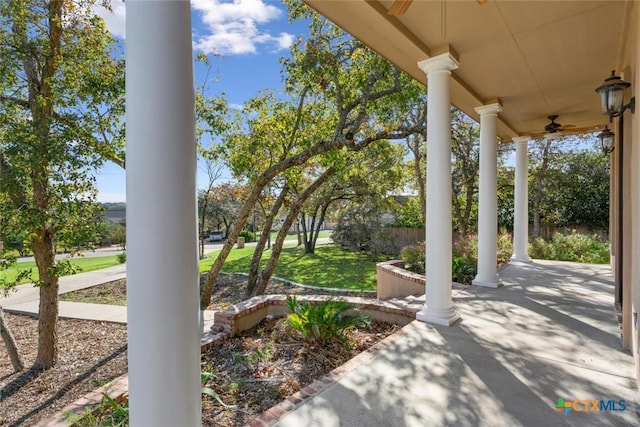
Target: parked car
column 215, row 236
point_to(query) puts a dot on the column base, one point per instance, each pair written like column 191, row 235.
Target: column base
column 446, row 317
column 520, row 258
column 492, row 283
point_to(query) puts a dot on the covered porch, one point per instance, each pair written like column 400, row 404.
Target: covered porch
column 550, row 332
column 519, row 348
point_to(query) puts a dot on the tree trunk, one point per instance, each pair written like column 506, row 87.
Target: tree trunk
column 539, row 188
column 254, row 268
column 310, row 245
column 10, row 344
column 414, row 146
column 267, row 272
column 205, row 203
column 48, row 315
column 252, row 197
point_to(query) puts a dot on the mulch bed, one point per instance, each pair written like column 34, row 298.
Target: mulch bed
column 93, row 353
column 90, row 354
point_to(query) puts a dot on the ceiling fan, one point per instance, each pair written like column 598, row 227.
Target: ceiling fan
column 399, row 7
column 554, row 129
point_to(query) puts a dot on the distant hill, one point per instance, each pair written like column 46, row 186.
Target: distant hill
column 115, row 212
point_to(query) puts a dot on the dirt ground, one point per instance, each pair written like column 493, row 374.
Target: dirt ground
column 92, row 353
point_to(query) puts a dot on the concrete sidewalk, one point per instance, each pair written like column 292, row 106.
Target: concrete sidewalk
column 549, row 333
column 26, row 299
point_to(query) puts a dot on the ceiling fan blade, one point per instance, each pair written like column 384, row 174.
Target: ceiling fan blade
column 399, row 7
column 482, row 1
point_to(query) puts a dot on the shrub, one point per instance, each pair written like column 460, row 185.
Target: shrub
column 463, row 270
column 122, row 257
column 505, row 248
column 248, row 236
column 413, row 257
column 572, row 247
column 465, row 256
column 467, row 247
column 326, row 321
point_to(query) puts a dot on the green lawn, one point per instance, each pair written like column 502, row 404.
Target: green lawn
column 294, row 236
column 329, row 267
column 85, row 263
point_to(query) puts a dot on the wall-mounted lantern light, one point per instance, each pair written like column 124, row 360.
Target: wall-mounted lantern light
column 612, row 96
column 606, row 138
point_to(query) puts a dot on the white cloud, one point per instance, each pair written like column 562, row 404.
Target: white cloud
column 115, row 19
column 230, row 27
column 233, row 27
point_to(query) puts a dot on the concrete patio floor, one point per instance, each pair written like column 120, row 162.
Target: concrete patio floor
column 550, row 332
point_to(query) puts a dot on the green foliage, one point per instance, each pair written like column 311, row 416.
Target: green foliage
column 326, row 321
column 467, row 247
column 465, row 163
column 61, row 109
column 413, row 257
column 505, row 248
column 410, row 214
column 248, row 236
column 464, row 256
column 463, row 270
column 569, row 184
column 573, row 247
column 111, row 233
column 359, row 228
column 118, row 415
column 122, row 257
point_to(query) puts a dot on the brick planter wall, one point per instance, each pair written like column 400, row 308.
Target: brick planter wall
column 228, row 323
column 394, row 281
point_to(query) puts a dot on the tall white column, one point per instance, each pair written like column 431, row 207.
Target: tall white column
column 521, row 202
column 162, row 258
column 438, row 307
column 488, row 199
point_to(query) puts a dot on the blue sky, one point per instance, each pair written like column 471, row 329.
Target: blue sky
column 250, row 35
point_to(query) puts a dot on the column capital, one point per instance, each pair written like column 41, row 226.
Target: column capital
column 494, row 108
column 524, row 138
column 443, row 62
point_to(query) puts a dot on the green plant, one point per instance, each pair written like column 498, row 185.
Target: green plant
column 572, row 247
column 248, row 235
column 122, row 257
column 413, row 257
column 205, row 377
column 261, row 354
column 118, row 413
column 463, row 270
column 325, row 321
column 467, row 247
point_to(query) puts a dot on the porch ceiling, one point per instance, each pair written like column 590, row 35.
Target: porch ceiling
column 538, row 57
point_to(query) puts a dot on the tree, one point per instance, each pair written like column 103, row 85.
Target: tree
column 584, row 189
column 465, row 163
column 570, row 184
column 62, row 99
column 347, row 98
column 10, row 344
column 214, row 171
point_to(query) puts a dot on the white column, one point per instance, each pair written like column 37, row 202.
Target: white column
column 162, row 258
column 521, row 202
column 488, row 199
column 438, row 307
